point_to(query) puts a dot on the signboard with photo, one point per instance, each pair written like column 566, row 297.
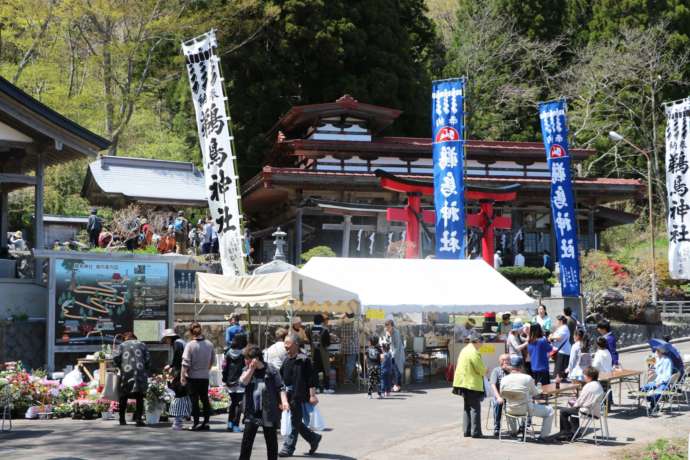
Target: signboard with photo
column 97, row 299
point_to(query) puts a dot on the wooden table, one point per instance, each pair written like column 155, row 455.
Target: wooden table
column 621, row 376
column 550, row 391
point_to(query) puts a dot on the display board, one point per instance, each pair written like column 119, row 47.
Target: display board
column 97, row 299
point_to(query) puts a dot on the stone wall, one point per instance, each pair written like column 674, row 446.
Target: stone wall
column 23, row 341
column 636, row 334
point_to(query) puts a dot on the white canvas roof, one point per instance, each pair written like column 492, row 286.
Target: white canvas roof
column 414, row 285
column 275, row 290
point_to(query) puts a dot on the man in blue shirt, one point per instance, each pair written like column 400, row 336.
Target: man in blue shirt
column 604, row 328
column 232, row 330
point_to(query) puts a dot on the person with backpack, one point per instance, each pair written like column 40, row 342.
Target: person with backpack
column 232, row 371
column 320, row 339
column 93, row 227
column 181, row 228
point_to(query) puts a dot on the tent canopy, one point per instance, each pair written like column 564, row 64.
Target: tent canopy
column 417, row 285
column 276, row 291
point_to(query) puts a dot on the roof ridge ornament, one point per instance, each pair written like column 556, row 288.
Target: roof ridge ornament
column 347, row 101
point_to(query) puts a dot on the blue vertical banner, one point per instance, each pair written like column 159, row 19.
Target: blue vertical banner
column 448, row 139
column 554, row 129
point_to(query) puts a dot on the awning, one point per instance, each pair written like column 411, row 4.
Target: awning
column 279, row 291
column 419, row 285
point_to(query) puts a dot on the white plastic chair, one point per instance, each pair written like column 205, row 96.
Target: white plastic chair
column 519, row 416
column 590, row 420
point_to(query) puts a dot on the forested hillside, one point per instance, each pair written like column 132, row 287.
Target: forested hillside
column 115, row 66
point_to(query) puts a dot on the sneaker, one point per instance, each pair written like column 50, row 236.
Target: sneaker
column 284, row 453
column 314, row 445
column 236, row 429
column 177, row 428
column 330, row 391
column 370, row 396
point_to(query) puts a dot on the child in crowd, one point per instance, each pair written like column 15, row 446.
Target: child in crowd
column 373, row 354
column 386, row 369
column 232, row 370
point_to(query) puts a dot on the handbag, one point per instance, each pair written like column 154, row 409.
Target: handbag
column 111, row 389
column 554, row 351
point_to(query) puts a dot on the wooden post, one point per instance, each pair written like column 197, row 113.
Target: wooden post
column 38, row 215
column 4, row 213
column 298, row 236
column 590, row 229
column 347, row 226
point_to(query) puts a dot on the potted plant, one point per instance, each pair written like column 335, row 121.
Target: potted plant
column 102, row 406
column 156, row 397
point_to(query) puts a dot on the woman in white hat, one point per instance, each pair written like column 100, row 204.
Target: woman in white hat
column 181, row 405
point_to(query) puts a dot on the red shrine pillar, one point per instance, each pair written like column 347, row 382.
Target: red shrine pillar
column 413, row 215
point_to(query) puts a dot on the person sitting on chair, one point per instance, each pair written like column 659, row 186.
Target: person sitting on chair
column 518, row 389
column 663, row 370
column 588, row 402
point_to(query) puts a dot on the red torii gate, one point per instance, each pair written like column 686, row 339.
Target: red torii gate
column 413, row 214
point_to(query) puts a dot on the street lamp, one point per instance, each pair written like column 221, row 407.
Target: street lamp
column 614, row 136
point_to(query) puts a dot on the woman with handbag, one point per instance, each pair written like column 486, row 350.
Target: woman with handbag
column 133, row 360
column 264, row 398
column 181, row 405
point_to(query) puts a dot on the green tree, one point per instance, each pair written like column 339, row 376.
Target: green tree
column 379, row 51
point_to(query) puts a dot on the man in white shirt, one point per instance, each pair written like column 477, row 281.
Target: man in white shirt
column 519, row 382
column 497, row 260
column 519, row 260
column 275, row 354
column 588, row 402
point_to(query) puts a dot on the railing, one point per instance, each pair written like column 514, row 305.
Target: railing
column 674, row 307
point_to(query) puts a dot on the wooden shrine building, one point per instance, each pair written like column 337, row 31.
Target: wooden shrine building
column 318, row 184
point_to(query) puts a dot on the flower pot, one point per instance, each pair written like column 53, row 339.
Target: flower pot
column 107, row 415
column 153, row 415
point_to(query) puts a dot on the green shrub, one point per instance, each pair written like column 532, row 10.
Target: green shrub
column 318, row 251
column 520, row 273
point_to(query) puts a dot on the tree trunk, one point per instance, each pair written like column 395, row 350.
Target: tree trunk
column 108, row 84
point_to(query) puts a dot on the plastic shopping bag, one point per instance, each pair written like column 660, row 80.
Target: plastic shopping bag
column 286, row 423
column 316, row 420
column 72, row 379
column 111, row 389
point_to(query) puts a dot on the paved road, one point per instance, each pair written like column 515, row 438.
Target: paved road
column 422, row 423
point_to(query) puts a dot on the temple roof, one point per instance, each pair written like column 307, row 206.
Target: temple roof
column 301, row 117
column 117, row 181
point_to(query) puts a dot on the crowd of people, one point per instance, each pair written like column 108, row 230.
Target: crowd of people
column 515, row 385
column 176, row 234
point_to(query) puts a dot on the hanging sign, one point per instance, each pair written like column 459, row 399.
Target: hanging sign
column 447, row 117
column 554, row 128
column 677, row 179
column 215, row 138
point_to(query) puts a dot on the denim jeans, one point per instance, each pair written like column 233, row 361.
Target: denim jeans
column 350, row 361
column 298, row 428
column 498, row 411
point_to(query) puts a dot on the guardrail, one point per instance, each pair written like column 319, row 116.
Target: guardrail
column 674, row 307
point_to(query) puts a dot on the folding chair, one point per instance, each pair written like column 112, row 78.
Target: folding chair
column 682, row 387
column 668, row 396
column 6, row 407
column 519, row 416
column 590, row 420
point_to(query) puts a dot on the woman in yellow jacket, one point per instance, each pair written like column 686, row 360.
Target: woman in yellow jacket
column 469, row 382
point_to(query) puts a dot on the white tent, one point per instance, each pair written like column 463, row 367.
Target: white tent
column 280, row 291
column 417, row 285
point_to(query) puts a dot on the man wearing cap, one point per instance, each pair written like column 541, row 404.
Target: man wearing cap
column 232, row 330
column 495, row 378
column 93, row 227
column 469, row 382
column 466, row 331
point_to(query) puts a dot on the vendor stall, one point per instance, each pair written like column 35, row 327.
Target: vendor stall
column 428, row 286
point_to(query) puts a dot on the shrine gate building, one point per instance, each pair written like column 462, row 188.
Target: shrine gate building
column 318, row 184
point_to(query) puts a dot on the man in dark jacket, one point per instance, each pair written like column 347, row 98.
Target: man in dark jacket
column 301, row 388
column 320, row 338
column 93, row 227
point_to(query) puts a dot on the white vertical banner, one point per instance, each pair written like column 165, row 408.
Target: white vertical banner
column 677, row 180
column 215, row 138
